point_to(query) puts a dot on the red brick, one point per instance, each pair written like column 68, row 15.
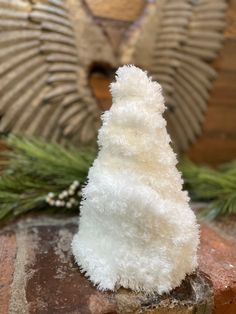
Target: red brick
column 53, row 283
column 8, row 250
column 217, row 258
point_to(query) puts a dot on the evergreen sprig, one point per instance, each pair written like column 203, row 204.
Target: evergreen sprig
column 215, row 186
column 32, row 168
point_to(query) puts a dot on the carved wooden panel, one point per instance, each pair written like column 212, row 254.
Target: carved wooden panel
column 47, row 49
column 176, row 43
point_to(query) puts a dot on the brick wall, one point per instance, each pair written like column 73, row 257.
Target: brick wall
column 218, row 141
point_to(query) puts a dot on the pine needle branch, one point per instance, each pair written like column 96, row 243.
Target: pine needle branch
column 32, row 168
column 217, row 187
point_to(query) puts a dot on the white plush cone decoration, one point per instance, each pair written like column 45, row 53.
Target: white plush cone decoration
column 136, row 228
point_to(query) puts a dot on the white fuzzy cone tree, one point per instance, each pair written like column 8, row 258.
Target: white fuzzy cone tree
column 136, row 228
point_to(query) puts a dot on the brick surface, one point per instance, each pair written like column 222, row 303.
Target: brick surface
column 217, row 258
column 7, row 258
column 46, row 279
column 55, row 284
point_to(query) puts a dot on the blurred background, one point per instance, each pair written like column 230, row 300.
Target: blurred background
column 57, row 59
column 217, row 142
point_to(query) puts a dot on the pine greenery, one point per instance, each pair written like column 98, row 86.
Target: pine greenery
column 32, row 168
column 215, row 186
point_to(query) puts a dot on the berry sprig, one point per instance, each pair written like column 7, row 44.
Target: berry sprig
column 67, row 198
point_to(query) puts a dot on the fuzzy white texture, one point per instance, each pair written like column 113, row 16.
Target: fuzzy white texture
column 136, row 228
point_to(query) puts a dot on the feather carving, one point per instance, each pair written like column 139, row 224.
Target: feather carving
column 47, row 48
column 177, row 42
column 43, row 84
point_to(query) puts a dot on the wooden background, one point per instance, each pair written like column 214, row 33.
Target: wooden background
column 217, row 143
